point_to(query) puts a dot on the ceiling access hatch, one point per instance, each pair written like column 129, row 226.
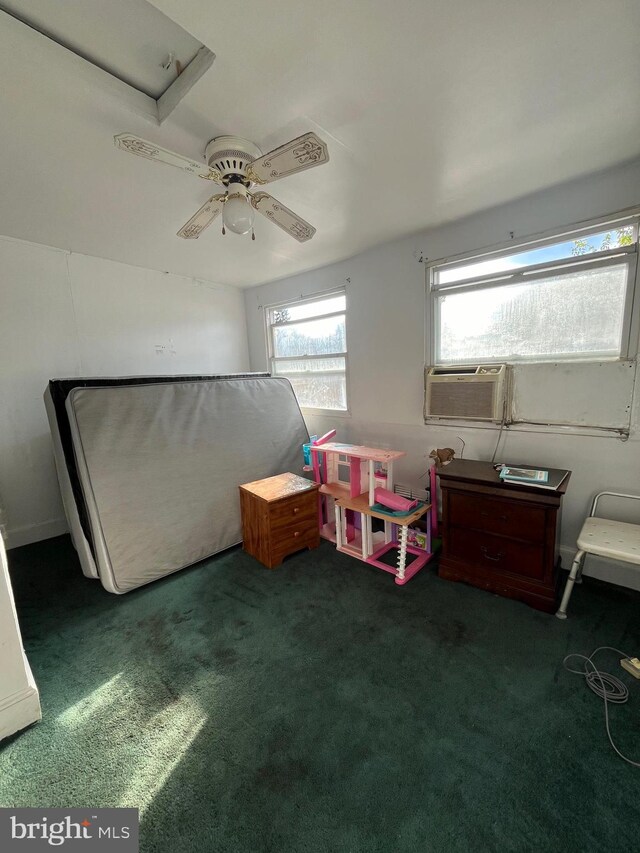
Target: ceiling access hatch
column 131, row 40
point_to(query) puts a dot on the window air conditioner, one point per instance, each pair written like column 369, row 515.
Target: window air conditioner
column 477, row 392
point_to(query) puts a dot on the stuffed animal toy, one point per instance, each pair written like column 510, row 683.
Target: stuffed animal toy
column 442, row 456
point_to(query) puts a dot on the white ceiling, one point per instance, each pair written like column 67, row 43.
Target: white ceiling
column 129, row 38
column 432, row 110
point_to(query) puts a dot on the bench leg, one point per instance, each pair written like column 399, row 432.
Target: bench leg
column 576, row 571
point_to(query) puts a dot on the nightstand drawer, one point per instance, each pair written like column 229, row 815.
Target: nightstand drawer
column 496, row 553
column 493, row 515
column 285, row 540
column 295, row 510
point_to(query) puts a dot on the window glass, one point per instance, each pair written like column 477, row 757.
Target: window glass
column 308, row 345
column 602, row 241
column 321, row 392
column 312, row 337
column 577, row 313
column 303, row 310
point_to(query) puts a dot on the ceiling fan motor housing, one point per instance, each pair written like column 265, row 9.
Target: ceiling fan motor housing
column 231, row 155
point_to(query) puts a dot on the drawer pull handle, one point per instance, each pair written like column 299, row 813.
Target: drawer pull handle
column 485, row 514
column 495, row 558
column 297, row 533
column 296, row 510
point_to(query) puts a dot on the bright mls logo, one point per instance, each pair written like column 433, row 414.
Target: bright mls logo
column 73, row 829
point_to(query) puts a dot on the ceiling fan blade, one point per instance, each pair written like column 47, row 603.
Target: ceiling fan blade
column 289, row 221
column 302, row 153
column 143, row 148
column 192, row 229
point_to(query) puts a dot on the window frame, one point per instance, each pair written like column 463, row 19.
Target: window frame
column 535, row 272
column 272, row 359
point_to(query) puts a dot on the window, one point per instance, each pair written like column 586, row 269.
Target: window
column 308, row 344
column 565, row 297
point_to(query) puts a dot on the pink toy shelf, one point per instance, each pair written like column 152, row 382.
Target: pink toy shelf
column 355, row 481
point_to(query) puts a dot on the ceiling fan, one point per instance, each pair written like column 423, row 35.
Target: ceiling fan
column 237, row 164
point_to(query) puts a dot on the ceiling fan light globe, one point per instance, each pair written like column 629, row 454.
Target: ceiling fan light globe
column 238, row 215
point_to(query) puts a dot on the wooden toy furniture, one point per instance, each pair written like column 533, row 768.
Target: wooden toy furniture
column 500, row 536
column 349, row 475
column 279, row 516
column 614, row 540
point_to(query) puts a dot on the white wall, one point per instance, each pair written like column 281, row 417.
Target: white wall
column 386, row 343
column 66, row 315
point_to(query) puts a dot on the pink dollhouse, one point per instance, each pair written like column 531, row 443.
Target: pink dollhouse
column 356, row 487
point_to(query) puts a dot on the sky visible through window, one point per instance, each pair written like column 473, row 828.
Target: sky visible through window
column 604, row 240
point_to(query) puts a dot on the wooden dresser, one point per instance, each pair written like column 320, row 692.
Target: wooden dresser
column 501, row 537
column 279, row 516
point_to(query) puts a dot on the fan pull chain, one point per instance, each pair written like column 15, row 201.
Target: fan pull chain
column 223, row 231
column 253, row 234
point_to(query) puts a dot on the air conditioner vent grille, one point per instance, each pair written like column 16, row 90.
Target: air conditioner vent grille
column 462, row 400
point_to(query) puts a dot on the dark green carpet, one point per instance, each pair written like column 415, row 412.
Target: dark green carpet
column 319, row 707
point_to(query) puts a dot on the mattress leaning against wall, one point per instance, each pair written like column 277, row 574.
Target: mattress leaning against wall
column 55, row 398
column 159, row 465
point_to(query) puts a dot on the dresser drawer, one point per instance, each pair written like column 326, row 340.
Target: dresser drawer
column 496, row 553
column 493, row 515
column 296, row 510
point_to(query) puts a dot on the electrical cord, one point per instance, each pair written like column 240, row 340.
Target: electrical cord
column 606, row 686
column 502, row 426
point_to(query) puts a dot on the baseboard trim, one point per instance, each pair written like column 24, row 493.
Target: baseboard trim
column 16, row 537
column 17, row 697
column 620, row 574
column 19, row 710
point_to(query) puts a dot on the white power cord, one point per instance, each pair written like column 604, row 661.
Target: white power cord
column 606, row 686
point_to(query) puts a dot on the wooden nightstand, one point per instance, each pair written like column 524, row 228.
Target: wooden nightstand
column 500, row 536
column 279, row 516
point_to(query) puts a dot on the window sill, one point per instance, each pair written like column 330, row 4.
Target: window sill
column 524, row 362
column 620, row 433
column 326, row 413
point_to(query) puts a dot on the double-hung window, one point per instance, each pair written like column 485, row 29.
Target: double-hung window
column 564, row 297
column 307, row 343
